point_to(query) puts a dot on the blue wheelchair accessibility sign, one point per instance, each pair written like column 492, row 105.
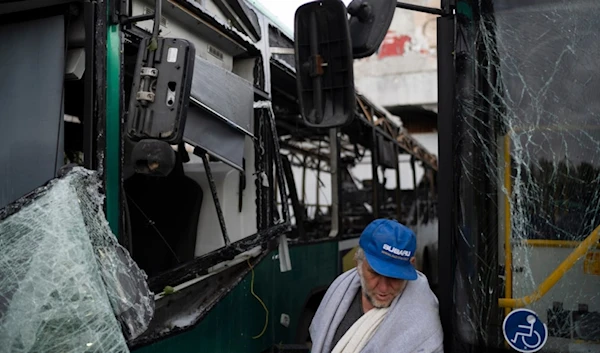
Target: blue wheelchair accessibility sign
column 524, row 331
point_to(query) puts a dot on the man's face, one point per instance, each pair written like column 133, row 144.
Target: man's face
column 379, row 290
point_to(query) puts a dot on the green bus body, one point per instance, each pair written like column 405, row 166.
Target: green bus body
column 233, row 323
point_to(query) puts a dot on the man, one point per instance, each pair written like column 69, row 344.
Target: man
column 384, row 304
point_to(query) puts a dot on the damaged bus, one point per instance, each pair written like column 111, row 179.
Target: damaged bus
column 518, row 179
column 159, row 160
column 189, row 129
column 518, row 174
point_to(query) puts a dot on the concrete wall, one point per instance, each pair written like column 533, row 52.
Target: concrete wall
column 404, row 70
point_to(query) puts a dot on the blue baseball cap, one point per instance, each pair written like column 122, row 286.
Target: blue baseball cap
column 388, row 247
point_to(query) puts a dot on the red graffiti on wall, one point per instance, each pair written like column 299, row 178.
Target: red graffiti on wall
column 393, row 45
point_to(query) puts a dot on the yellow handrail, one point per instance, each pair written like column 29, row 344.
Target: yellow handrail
column 556, row 275
column 552, row 243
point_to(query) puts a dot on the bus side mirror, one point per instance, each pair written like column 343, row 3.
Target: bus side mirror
column 369, row 24
column 160, row 91
column 324, row 72
column 158, row 103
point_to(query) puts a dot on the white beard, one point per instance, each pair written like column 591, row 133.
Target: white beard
column 376, row 303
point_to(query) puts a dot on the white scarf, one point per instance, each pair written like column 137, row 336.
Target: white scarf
column 361, row 332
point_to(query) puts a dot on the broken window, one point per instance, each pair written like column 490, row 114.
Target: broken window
column 66, row 285
column 528, row 77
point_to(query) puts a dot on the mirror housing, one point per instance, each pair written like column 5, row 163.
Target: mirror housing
column 324, row 71
column 326, row 43
column 160, row 91
column 153, row 157
column 369, row 24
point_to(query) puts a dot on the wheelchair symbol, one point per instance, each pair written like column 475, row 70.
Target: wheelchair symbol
column 524, row 331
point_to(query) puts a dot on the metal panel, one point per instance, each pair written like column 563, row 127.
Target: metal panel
column 224, row 92
column 31, row 122
column 445, row 179
column 215, row 136
column 220, row 112
column 387, row 154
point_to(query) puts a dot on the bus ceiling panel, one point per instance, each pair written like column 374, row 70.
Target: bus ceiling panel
column 207, row 26
column 195, row 19
column 246, row 18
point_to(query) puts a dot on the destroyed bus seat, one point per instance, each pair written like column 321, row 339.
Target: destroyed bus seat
column 170, row 205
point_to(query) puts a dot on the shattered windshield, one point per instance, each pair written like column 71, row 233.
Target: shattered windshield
column 528, row 79
column 66, row 285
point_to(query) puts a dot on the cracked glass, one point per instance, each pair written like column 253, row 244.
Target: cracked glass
column 528, row 156
column 66, row 285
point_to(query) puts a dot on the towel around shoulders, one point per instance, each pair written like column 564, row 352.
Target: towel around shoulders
column 412, row 324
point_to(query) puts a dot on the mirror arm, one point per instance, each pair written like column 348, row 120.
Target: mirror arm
column 431, row 10
column 146, row 92
column 161, row 86
column 126, row 21
column 157, row 18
